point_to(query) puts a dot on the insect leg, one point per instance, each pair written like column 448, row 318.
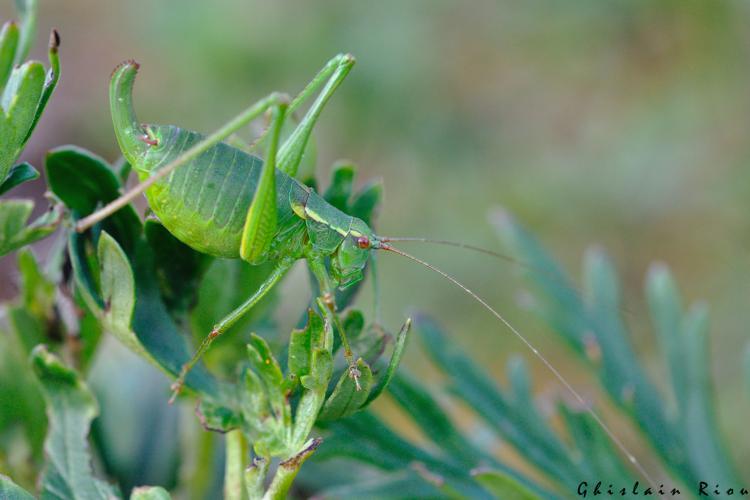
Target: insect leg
column 333, row 74
column 278, row 272
column 260, row 222
column 318, row 268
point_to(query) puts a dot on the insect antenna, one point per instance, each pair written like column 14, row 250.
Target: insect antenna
column 554, row 277
column 589, row 409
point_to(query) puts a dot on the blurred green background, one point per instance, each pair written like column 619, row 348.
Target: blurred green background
column 621, row 123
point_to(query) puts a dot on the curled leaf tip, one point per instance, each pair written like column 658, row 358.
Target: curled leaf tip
column 128, row 62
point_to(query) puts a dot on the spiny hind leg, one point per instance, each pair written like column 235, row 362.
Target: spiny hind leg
column 318, row 268
column 222, row 326
column 332, row 74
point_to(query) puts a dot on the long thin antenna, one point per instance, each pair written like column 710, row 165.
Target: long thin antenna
column 458, row 244
column 557, row 279
column 625, row 451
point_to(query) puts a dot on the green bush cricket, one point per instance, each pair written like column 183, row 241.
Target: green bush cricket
column 228, row 203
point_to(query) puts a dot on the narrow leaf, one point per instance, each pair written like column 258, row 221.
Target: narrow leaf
column 346, row 398
column 14, row 233
column 11, row 491
column 666, row 312
column 50, row 82
column 503, row 486
column 8, row 46
column 365, row 203
column 402, row 484
column 432, row 419
column 390, row 372
column 27, row 10
column 340, row 189
column 19, row 102
column 265, row 365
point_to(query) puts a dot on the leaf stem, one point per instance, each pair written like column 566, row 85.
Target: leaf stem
column 234, row 468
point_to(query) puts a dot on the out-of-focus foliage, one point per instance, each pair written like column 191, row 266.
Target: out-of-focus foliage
column 684, row 434
column 25, row 89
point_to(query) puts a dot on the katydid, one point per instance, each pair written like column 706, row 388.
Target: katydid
column 226, row 202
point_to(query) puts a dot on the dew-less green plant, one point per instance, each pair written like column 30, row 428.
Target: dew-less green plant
column 156, row 284
column 25, row 89
column 678, row 425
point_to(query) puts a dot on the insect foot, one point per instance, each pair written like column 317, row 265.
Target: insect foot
column 329, row 301
column 355, row 374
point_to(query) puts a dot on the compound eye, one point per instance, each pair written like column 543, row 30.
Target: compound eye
column 363, row 242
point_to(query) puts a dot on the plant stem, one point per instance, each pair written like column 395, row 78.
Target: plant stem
column 234, row 468
column 288, row 470
column 255, row 475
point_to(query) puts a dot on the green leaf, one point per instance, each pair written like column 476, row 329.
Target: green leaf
column 8, row 46
column 117, row 292
column 50, row 83
column 365, row 438
column 365, row 203
column 265, row 365
column 179, row 268
column 562, row 306
column 19, row 102
column 37, row 292
column 469, row 382
column 217, row 417
column 299, row 359
column 315, row 373
column 23, row 172
column 11, row 491
column 666, row 310
column 27, row 10
column 432, row 419
column 340, row 189
column 82, row 181
column 14, row 233
column 399, row 485
column 353, row 324
column 143, row 325
column 703, row 441
column 70, row 409
column 346, row 399
column 597, row 448
column 150, row 493
column 390, row 372
column 503, row 486
column 156, row 329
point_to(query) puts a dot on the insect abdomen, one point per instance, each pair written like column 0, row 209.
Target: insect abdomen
column 204, row 203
